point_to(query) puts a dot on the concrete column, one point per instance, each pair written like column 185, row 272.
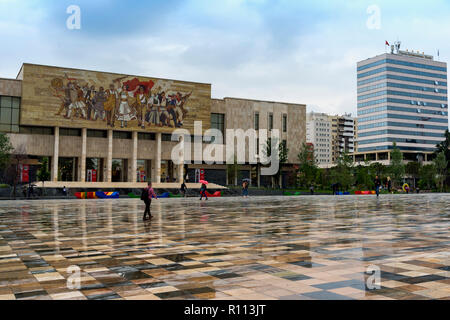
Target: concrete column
column 55, row 156
column 258, row 172
column 108, row 173
column 83, row 155
column 134, row 158
column 158, row 158
column 181, row 165
column 389, row 156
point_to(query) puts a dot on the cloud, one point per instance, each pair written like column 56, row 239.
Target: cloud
column 293, row 51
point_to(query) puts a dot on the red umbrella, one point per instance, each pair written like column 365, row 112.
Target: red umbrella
column 203, row 181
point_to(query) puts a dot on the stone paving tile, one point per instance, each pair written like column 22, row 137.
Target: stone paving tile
column 231, row 248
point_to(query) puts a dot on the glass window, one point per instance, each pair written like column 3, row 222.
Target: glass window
column 16, row 103
column 97, row 134
column 146, row 136
column 70, row 132
column 15, row 116
column 36, row 130
column 6, row 102
column 256, row 121
column 166, row 137
column 284, row 123
column 218, row 122
column 5, row 115
column 270, row 121
column 121, row 135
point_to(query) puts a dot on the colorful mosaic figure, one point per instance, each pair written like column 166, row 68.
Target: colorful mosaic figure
column 124, row 101
column 125, row 113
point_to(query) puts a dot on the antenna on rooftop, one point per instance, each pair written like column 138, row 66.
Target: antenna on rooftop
column 397, row 45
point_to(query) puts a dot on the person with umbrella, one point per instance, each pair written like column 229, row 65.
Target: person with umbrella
column 203, row 189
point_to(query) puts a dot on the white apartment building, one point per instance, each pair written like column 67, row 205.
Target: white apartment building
column 318, row 132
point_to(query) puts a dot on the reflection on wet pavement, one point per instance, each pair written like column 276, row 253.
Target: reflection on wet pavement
column 231, row 248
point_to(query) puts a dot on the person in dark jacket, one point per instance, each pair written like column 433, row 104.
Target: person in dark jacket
column 203, row 192
column 147, row 195
column 183, row 189
column 377, row 183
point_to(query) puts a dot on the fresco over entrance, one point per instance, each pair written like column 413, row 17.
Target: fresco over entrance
column 69, row 97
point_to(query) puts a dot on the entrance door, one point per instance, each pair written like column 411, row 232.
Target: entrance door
column 117, row 170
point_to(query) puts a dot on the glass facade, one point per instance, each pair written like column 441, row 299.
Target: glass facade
column 433, row 142
column 403, row 109
column 401, row 116
column 401, row 93
column 386, row 98
column 400, row 70
column 9, row 114
column 400, row 124
column 401, row 78
column 403, row 63
column 401, row 132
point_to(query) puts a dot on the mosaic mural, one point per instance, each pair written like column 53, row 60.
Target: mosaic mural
column 78, row 98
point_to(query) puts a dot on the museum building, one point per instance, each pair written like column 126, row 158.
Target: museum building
column 112, row 128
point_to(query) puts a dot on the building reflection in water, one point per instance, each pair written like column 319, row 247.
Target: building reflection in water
column 56, row 227
column 83, row 225
column 157, row 206
column 134, row 217
column 110, row 227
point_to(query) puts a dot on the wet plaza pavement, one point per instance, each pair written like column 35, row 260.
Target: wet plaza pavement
column 320, row 247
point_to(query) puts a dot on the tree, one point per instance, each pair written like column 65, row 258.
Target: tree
column 413, row 168
column 427, row 176
column 233, row 172
column 440, row 163
column 282, row 157
column 5, row 150
column 363, row 176
column 308, row 170
column 377, row 169
column 396, row 168
column 18, row 157
column 343, row 172
column 444, row 147
column 43, row 173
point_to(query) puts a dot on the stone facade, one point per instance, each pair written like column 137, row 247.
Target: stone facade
column 37, row 111
column 240, row 113
column 10, row 87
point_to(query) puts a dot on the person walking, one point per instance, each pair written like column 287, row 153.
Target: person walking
column 311, row 189
column 183, row 189
column 203, row 192
column 377, row 183
column 245, row 189
column 65, row 191
column 146, row 196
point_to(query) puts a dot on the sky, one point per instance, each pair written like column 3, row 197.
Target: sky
column 288, row 51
